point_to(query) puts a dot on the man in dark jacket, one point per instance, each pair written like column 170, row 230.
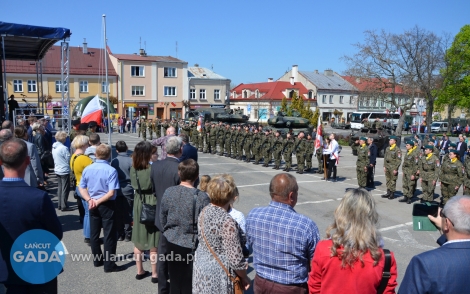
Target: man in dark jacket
column 372, row 162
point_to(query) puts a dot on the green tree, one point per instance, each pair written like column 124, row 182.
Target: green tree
column 284, row 104
column 314, row 118
column 455, row 91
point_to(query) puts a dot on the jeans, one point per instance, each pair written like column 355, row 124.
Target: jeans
column 86, row 218
column 133, row 129
column 102, row 217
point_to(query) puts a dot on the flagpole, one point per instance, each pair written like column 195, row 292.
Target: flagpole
column 106, row 83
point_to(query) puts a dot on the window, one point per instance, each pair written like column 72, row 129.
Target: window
column 202, row 94
column 169, row 91
column 32, row 86
column 256, row 94
column 17, row 85
column 382, row 103
column 192, row 94
column 137, row 71
column 323, row 99
column 350, row 99
column 103, row 87
column 217, row 94
column 58, row 87
column 245, row 94
column 138, row 90
column 331, row 99
column 169, row 72
column 310, row 94
column 341, row 98
column 83, row 86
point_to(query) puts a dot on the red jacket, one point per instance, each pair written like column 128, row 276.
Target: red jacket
column 327, row 275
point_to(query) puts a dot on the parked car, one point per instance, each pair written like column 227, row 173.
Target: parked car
column 439, row 126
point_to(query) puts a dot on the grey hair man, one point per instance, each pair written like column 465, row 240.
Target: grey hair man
column 164, row 174
column 5, row 135
column 162, row 141
column 425, row 271
column 8, row 124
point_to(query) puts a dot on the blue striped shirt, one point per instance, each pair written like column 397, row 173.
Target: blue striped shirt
column 283, row 243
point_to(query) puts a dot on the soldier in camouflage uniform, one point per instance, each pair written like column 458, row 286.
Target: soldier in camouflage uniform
column 247, row 144
column 213, row 138
column 267, row 148
column 410, row 171
column 228, row 141
column 139, row 127
column 300, row 150
column 150, row 129
column 466, row 180
column 173, row 123
column 319, row 155
column 158, row 128
column 185, row 129
column 366, row 124
column 143, row 129
column 256, row 146
column 234, row 139
column 207, row 130
column 392, row 161
column 451, row 176
column 221, row 138
column 310, row 148
column 362, row 161
column 288, row 148
column 239, row 143
column 278, row 146
column 194, row 135
column 428, row 170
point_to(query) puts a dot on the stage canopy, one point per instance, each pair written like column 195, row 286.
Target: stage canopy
column 26, row 42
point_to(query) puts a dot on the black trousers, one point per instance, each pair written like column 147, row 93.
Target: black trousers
column 103, row 217
column 370, row 176
column 162, row 266
column 124, row 207
column 63, row 189
column 181, row 272
column 47, row 288
column 332, row 168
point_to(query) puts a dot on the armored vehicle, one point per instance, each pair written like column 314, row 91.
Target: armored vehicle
column 381, row 138
column 285, row 123
column 216, row 114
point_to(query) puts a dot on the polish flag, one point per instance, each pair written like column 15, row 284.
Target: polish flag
column 173, row 104
column 319, row 138
column 92, row 111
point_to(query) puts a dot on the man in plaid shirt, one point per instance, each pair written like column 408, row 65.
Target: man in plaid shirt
column 283, row 240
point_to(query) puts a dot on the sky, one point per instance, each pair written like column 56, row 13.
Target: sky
column 245, row 41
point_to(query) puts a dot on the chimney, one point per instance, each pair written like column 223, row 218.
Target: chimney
column 85, row 46
column 329, row 72
column 295, row 73
column 316, row 71
column 292, row 81
column 270, row 80
column 358, row 80
column 142, row 52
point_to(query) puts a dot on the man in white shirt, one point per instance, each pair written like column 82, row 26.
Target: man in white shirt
column 333, row 150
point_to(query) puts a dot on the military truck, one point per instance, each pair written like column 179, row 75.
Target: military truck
column 381, row 138
column 216, row 114
column 284, row 123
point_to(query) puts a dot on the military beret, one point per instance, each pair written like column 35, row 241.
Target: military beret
column 454, row 151
column 93, row 124
column 453, row 145
column 429, row 147
column 414, row 140
column 363, row 139
column 410, row 142
column 83, row 127
column 393, row 138
column 75, row 122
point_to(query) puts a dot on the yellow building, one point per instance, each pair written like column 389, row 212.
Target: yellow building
column 86, row 78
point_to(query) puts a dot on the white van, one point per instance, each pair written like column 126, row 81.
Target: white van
column 357, row 117
column 439, row 126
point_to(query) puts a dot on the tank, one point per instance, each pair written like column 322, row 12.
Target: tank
column 216, row 114
column 284, row 123
column 381, row 138
column 80, row 106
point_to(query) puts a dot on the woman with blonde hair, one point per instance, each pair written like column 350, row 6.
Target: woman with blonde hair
column 204, row 181
column 351, row 260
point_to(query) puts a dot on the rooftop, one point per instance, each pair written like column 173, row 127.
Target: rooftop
column 203, row 73
column 269, row 90
column 327, row 80
column 374, row 84
column 137, row 57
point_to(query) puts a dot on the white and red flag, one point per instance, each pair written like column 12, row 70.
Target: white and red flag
column 92, row 111
column 319, row 137
column 199, row 124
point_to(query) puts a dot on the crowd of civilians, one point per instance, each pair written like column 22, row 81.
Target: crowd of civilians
column 201, row 225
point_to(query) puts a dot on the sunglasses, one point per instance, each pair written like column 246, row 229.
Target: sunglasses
column 444, row 216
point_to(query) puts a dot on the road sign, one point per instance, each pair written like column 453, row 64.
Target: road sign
column 248, row 108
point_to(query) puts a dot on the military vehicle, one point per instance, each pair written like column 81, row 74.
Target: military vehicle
column 216, row 114
column 284, row 123
column 381, row 138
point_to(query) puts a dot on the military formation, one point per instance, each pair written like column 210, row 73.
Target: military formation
column 428, row 166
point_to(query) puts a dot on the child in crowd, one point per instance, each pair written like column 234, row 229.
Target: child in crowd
column 205, row 179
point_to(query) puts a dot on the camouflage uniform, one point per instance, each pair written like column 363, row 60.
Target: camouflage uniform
column 300, row 150
column 150, row 129
column 206, row 133
column 73, row 134
column 158, row 129
column 392, row 161
column 194, row 136
column 366, row 124
column 409, row 169
column 228, row 141
column 139, row 127
column 165, row 127
column 361, row 164
column 256, row 147
column 185, row 129
column 213, row 138
column 451, row 176
column 267, row 150
column 278, row 146
column 428, row 171
column 288, row 149
column 247, row 145
column 466, row 180
column 240, row 141
column 143, row 129
column 221, row 139
column 234, row 140
column 310, row 148
column 319, row 155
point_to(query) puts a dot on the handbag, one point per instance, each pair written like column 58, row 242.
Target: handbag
column 237, row 283
column 47, row 159
column 147, row 214
column 386, row 272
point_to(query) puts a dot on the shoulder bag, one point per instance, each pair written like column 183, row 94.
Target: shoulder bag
column 386, row 272
column 73, row 179
column 147, row 214
column 237, row 284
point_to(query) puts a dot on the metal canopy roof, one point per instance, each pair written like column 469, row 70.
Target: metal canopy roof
column 25, row 42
